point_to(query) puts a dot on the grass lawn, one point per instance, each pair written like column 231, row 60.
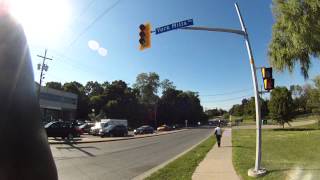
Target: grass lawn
column 183, row 167
column 286, row 153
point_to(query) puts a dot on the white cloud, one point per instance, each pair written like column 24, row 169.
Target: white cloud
column 102, row 51
column 93, row 45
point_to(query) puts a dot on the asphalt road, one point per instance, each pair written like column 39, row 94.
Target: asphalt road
column 121, row 159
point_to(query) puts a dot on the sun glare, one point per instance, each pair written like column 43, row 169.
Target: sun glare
column 43, row 20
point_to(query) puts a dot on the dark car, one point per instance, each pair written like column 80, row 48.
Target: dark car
column 62, row 129
column 144, row 130
column 85, row 128
column 114, row 130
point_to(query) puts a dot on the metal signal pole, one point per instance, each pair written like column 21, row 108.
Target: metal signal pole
column 257, row 170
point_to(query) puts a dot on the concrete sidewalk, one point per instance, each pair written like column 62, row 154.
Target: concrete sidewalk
column 218, row 162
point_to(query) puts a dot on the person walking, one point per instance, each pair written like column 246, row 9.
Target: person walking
column 218, row 134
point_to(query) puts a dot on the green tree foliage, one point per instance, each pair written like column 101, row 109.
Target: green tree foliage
column 313, row 102
column 54, row 85
column 139, row 105
column 295, row 34
column 93, row 88
column 236, row 110
column 281, row 105
column 176, row 106
column 148, row 84
column 211, row 113
column 167, row 84
column 83, row 100
column 247, row 108
column 299, row 96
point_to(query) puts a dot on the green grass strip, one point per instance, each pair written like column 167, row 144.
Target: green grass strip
column 290, row 153
column 183, row 167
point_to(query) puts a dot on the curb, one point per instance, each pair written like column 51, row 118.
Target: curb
column 154, row 169
column 120, row 139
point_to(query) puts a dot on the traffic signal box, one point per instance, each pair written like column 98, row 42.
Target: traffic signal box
column 268, row 81
column 145, row 36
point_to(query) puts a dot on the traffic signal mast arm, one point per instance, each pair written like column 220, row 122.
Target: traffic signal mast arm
column 257, row 170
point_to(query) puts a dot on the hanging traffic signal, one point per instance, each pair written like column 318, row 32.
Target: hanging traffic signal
column 268, row 81
column 268, row 84
column 266, row 73
column 145, row 36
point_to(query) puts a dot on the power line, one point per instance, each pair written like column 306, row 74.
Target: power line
column 84, row 10
column 92, row 23
column 229, row 99
column 231, row 92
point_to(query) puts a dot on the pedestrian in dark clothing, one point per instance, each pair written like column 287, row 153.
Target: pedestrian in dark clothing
column 218, row 134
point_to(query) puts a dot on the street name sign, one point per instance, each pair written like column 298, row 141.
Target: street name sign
column 173, row 26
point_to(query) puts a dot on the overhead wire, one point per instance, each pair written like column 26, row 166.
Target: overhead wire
column 227, row 93
column 228, row 99
column 106, row 11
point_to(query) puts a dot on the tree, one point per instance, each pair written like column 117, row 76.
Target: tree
column 299, row 99
column 211, row 113
column 120, row 101
column 83, row 100
column 167, row 84
column 236, row 110
column 148, row 85
column 313, row 101
column 93, row 89
column 176, row 106
column 295, row 35
column 281, row 105
column 54, row 85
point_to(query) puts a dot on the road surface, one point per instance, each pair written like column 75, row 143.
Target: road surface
column 121, row 159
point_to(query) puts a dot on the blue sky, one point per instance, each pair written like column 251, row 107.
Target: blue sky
column 205, row 62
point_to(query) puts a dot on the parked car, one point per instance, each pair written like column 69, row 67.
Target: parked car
column 114, row 130
column 164, row 128
column 62, row 129
column 144, row 130
column 86, row 127
column 95, row 129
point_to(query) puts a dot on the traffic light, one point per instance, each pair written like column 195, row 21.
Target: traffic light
column 268, row 81
column 145, row 36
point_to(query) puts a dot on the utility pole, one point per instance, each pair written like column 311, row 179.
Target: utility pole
column 43, row 67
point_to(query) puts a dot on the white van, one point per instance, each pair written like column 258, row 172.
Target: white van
column 107, row 122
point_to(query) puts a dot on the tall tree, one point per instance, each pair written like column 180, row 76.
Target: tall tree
column 313, row 101
column 299, row 99
column 148, row 84
column 280, row 105
column 54, row 85
column 83, row 100
column 295, row 35
column 176, row 106
column 93, row 88
column 167, row 84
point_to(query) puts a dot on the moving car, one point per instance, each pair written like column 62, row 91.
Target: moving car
column 62, row 129
column 144, row 130
column 114, row 130
column 164, row 128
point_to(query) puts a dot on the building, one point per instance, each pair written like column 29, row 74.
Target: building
column 57, row 105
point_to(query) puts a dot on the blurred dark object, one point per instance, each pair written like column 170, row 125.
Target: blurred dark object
column 24, row 152
column 62, row 129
